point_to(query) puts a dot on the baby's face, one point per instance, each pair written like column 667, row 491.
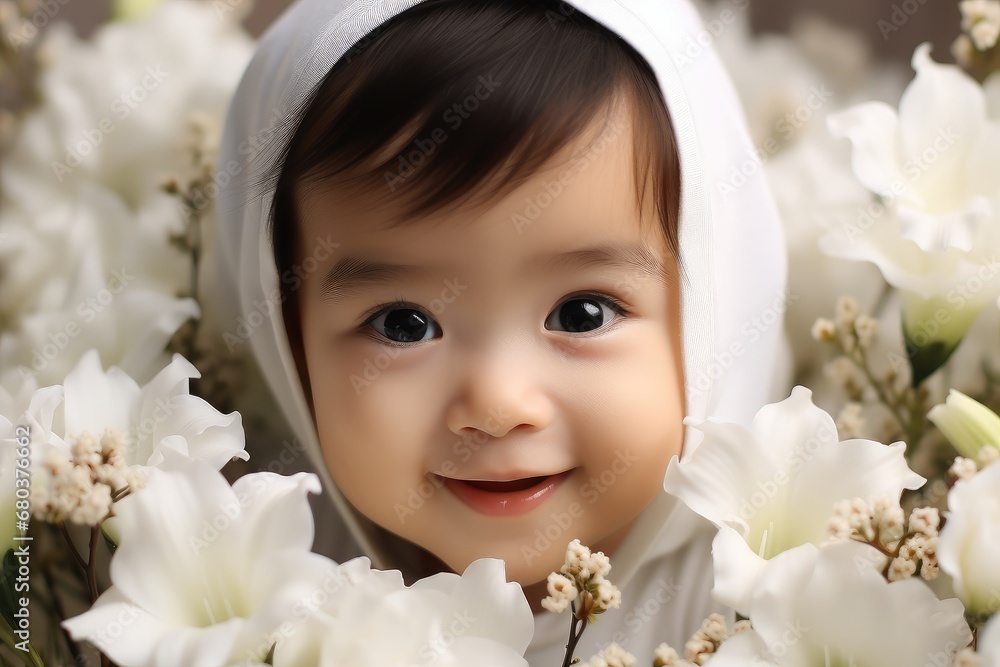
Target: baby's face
column 507, row 406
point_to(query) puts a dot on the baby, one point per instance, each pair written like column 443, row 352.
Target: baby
column 509, row 259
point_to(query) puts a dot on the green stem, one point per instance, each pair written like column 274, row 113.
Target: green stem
column 92, row 564
column 29, row 657
column 74, row 649
column 72, row 547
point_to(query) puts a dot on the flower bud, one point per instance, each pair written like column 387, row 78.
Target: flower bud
column 968, row 424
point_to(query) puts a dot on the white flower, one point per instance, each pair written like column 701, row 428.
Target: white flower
column 612, row 655
column 814, row 188
column 963, row 468
column 146, row 77
column 80, row 192
column 829, row 606
column 204, row 573
column 968, row 424
column 981, row 19
column 666, row 656
column 988, row 643
column 562, row 591
column 773, row 486
column 88, row 272
column 158, row 416
column 936, row 166
column 373, row 620
column 607, row 596
column 969, row 545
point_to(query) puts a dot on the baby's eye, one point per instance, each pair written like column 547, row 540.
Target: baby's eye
column 585, row 312
column 401, row 324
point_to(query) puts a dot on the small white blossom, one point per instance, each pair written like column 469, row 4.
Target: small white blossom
column 865, row 327
column 847, row 311
column 963, row 468
column 612, row 656
column 925, row 520
column 850, row 421
column 824, row 330
column 600, row 564
column 981, row 19
column 562, row 591
column 577, row 559
column 607, row 596
column 901, row 568
column 664, row 656
column 703, row 644
column 889, row 516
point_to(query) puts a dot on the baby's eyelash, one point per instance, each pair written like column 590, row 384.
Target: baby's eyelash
column 374, row 312
column 616, row 304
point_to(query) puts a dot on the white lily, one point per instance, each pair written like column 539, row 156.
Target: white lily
column 158, row 416
column 80, row 192
column 968, row 424
column 773, row 486
column 205, row 572
column 444, row 620
column 969, row 547
column 936, row 167
column 830, row 606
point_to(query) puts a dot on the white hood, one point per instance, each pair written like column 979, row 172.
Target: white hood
column 733, row 292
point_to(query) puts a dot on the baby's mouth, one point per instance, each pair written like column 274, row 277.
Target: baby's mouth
column 508, row 498
column 507, row 487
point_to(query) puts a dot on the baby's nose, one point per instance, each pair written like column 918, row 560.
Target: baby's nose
column 497, row 391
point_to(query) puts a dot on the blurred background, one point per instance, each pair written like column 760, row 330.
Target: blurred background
column 936, row 20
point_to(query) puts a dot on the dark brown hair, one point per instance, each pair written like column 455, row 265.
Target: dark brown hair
column 550, row 72
column 557, row 70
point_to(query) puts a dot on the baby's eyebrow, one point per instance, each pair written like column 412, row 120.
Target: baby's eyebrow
column 352, row 273
column 624, row 256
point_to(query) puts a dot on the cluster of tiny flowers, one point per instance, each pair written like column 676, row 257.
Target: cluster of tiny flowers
column 981, row 20
column 881, row 523
column 706, row 640
column 84, row 485
column 964, row 468
column 878, row 519
column 920, row 546
column 854, row 335
column 850, row 421
column 582, row 580
column 702, row 645
column 850, row 331
column 612, row 656
column 850, row 328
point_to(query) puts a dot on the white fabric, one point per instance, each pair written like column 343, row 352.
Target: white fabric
column 732, row 293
